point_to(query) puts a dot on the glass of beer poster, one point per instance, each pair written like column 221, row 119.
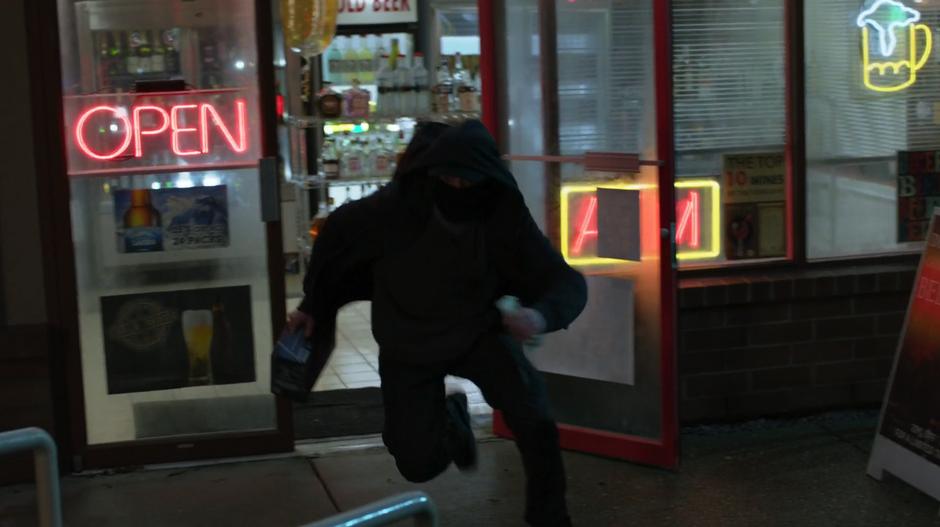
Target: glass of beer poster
column 197, row 332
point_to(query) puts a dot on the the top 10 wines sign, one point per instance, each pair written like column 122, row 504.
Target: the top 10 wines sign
column 160, row 131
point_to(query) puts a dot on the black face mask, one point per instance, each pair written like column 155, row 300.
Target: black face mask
column 463, row 204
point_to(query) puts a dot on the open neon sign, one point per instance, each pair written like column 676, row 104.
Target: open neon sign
column 175, row 122
column 128, row 133
column 698, row 221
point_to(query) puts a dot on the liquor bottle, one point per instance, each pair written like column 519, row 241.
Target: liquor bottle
column 104, row 61
column 351, row 163
column 132, row 58
column 317, row 223
column 351, row 58
column 142, row 224
column 380, row 52
column 383, row 159
column 350, row 63
column 329, row 160
column 329, row 103
column 404, row 87
column 443, row 89
column 400, row 146
column 468, row 96
column 396, row 50
column 144, row 54
column 170, row 42
column 158, row 59
column 385, row 78
column 334, row 59
column 116, row 65
column 463, row 89
column 420, row 95
column 478, row 80
column 306, row 82
column 209, row 60
column 366, row 59
column 221, row 356
column 356, row 101
column 460, row 74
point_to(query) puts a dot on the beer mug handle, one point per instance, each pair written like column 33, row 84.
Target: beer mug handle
column 928, row 46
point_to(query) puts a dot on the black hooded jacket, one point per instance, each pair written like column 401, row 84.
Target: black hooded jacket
column 434, row 282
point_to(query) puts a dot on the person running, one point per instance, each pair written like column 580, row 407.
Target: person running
column 434, row 251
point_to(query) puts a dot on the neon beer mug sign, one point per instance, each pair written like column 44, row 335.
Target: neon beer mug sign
column 128, row 133
column 894, row 46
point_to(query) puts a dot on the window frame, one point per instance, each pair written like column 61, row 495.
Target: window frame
column 795, row 155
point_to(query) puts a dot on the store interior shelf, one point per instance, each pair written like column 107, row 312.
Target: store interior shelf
column 314, row 181
column 312, row 121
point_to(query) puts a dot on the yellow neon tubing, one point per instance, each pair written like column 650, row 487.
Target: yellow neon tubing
column 712, row 252
column 915, row 63
column 715, row 249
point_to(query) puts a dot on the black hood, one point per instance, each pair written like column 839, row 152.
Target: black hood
column 467, row 151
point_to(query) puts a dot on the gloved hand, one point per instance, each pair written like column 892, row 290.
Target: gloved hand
column 523, row 323
column 298, row 320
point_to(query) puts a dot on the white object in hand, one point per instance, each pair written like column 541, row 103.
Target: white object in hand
column 509, row 305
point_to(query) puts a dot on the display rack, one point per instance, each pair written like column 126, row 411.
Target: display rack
column 316, row 195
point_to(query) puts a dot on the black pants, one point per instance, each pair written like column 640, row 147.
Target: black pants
column 416, row 419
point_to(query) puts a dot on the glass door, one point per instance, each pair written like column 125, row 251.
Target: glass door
column 596, row 172
column 163, row 136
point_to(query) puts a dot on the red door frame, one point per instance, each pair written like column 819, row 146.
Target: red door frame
column 663, row 452
column 59, row 253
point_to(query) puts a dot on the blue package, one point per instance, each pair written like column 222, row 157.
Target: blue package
column 293, row 347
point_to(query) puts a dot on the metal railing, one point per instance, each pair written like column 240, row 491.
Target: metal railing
column 47, row 469
column 383, row 512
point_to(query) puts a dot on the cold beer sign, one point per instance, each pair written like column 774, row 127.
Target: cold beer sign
column 698, row 224
column 371, row 12
column 134, row 132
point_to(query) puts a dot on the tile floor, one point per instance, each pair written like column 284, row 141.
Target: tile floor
column 355, row 362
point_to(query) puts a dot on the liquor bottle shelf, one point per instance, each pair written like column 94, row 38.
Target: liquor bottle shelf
column 315, row 181
column 313, row 121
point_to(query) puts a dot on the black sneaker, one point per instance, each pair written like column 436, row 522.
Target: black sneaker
column 461, row 443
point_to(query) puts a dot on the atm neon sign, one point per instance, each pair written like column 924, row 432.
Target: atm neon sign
column 698, row 221
column 185, row 127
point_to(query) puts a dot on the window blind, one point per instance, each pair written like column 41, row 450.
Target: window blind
column 605, row 68
column 728, row 75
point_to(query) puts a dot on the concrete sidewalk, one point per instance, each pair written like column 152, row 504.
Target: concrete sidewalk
column 800, row 472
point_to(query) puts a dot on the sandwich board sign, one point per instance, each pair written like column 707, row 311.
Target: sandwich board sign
column 907, row 442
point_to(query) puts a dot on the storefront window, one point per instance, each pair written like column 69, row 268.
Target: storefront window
column 603, row 77
column 730, row 129
column 872, row 124
column 162, row 134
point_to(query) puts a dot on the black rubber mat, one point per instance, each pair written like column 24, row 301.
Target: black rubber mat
column 337, row 413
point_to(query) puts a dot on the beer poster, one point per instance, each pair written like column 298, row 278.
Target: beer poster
column 175, row 339
column 171, row 219
column 908, row 440
column 754, row 196
column 918, row 193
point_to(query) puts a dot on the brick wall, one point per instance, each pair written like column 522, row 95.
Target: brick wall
column 788, row 344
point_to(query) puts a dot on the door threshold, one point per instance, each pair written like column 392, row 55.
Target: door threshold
column 322, row 447
column 337, row 445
